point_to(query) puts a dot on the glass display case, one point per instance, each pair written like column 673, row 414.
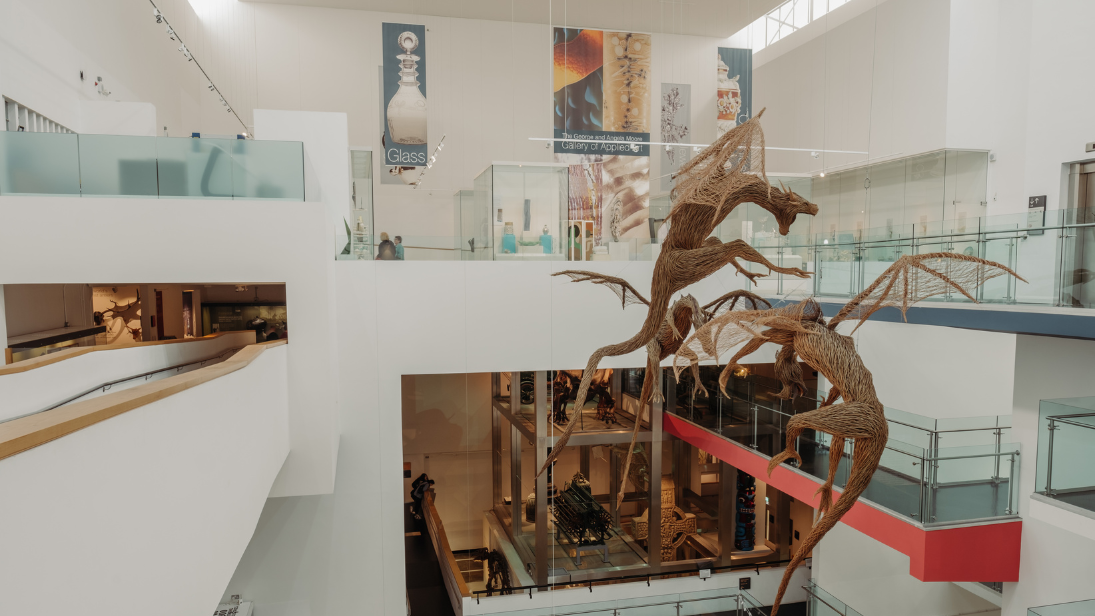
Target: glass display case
column 517, row 211
column 359, row 226
column 463, row 211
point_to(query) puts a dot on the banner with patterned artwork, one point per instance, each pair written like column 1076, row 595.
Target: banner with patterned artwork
column 734, row 88
column 601, row 85
column 676, row 128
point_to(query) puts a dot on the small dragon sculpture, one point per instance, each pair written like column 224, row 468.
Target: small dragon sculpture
column 800, row 329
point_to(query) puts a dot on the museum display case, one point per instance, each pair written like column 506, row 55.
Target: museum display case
column 517, row 212
column 463, row 211
column 1066, row 432
column 358, row 238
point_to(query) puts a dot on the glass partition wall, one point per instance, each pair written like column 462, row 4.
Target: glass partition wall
column 166, row 167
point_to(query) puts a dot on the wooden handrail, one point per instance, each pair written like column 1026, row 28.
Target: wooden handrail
column 19, row 435
column 450, row 571
column 52, row 358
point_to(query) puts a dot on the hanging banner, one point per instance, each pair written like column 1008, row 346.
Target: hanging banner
column 601, row 85
column 734, row 88
column 676, row 128
column 404, row 76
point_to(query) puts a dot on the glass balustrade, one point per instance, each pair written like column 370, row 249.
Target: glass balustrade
column 151, row 167
column 1066, row 433
column 934, row 471
column 821, row 603
column 715, row 601
column 1076, row 608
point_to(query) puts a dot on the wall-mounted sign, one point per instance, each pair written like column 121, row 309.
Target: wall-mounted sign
column 1036, row 213
column 404, row 77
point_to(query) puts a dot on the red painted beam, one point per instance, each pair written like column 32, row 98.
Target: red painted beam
column 983, row 553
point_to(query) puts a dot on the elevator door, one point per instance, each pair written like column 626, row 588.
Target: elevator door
column 1082, row 277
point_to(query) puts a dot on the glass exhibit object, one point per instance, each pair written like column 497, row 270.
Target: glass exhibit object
column 407, row 109
column 514, row 212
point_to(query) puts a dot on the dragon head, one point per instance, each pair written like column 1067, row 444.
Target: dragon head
column 785, row 205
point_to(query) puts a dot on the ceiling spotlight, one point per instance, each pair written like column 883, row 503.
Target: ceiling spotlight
column 170, row 32
column 822, row 174
column 185, row 52
column 211, row 88
column 814, row 154
column 158, row 15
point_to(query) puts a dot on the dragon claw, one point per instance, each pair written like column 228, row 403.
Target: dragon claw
column 783, row 456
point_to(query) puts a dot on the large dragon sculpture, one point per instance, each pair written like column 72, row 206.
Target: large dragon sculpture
column 726, row 174
column 800, row 329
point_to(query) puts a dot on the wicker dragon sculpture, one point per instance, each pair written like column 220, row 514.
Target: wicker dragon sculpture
column 801, row 331
column 726, row 174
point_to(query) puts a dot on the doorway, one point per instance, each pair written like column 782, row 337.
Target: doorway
column 1078, row 260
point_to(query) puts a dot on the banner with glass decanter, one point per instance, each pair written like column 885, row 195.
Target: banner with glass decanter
column 404, row 86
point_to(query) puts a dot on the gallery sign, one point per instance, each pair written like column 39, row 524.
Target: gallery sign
column 404, row 80
column 601, row 85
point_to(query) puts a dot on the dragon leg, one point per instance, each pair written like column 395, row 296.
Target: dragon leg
column 836, row 454
column 845, row 420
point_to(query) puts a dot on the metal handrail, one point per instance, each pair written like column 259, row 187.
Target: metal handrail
column 810, row 592
column 836, row 243
column 641, row 576
column 107, row 385
column 1053, row 421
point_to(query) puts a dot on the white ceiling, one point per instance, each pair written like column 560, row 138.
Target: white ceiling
column 715, row 18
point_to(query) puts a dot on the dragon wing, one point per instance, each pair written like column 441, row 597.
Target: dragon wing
column 622, row 288
column 749, row 301
column 916, row 277
column 734, row 327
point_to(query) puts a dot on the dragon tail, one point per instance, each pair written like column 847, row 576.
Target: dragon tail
column 867, row 454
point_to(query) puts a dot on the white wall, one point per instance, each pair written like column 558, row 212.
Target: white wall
column 34, row 390
column 916, row 368
column 44, row 44
column 859, row 79
column 488, row 83
column 1054, row 561
column 150, row 508
column 31, row 308
column 292, row 249
column 873, row 578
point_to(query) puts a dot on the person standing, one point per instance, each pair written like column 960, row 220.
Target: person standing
column 418, row 492
column 385, row 250
column 398, row 248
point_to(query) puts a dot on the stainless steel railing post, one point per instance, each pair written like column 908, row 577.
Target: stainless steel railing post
column 1049, row 456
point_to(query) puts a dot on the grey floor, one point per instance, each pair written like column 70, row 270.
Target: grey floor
column 1085, row 500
